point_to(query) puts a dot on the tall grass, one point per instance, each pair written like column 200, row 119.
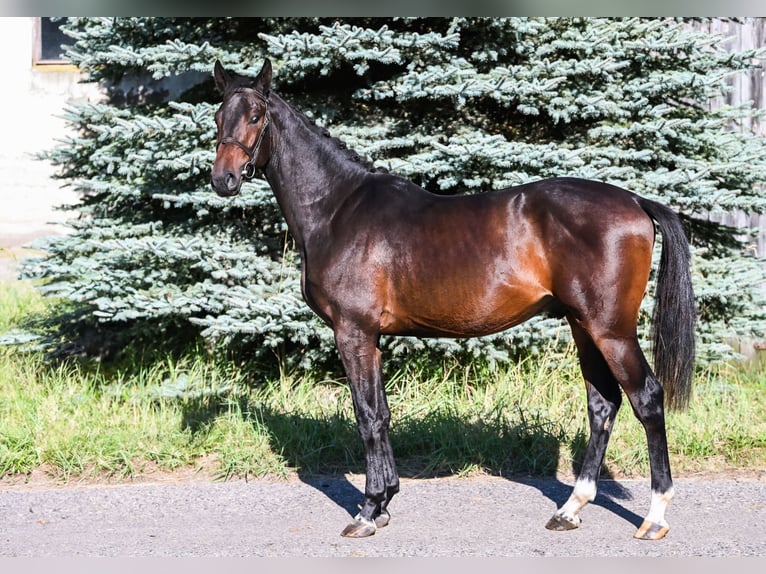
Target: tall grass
column 228, row 418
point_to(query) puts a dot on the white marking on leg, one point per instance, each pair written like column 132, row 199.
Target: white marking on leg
column 660, row 502
column 583, row 493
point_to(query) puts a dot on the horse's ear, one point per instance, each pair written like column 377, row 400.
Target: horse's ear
column 221, row 76
column 263, row 81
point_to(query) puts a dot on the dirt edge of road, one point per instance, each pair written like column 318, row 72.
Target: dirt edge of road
column 45, row 477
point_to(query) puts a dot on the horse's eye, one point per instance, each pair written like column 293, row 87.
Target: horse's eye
column 254, row 120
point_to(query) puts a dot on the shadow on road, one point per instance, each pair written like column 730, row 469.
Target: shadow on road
column 610, row 492
column 324, row 450
column 339, row 490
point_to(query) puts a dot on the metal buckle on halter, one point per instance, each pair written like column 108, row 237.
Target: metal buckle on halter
column 248, row 172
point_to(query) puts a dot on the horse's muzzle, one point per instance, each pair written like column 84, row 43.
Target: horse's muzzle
column 226, row 184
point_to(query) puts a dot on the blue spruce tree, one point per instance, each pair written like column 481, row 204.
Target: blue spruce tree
column 458, row 105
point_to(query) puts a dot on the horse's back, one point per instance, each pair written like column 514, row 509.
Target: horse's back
column 549, row 216
column 473, row 265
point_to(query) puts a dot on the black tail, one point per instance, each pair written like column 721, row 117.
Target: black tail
column 675, row 315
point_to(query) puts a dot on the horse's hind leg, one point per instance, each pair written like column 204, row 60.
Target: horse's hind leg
column 603, row 403
column 628, row 364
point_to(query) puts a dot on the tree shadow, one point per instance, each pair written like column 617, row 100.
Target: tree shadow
column 325, row 450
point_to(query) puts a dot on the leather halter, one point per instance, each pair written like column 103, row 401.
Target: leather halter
column 248, row 170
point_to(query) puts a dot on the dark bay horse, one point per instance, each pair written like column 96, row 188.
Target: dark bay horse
column 381, row 255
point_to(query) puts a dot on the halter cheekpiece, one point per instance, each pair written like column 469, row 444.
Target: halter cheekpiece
column 248, row 171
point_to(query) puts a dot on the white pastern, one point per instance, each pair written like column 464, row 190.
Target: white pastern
column 660, row 501
column 583, row 493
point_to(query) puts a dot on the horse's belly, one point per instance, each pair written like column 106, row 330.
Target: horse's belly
column 461, row 317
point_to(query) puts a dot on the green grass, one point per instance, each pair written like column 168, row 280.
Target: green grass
column 198, row 412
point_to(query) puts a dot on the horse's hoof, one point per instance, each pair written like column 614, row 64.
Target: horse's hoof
column 561, row 523
column 382, row 519
column 651, row 531
column 359, row 528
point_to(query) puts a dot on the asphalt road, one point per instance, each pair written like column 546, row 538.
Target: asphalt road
column 436, row 517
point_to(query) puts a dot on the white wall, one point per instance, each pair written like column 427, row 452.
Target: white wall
column 32, row 101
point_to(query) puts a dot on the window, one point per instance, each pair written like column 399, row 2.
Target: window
column 48, row 39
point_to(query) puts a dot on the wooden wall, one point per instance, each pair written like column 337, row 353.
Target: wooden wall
column 744, row 34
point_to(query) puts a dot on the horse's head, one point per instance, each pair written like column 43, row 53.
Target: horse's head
column 242, row 121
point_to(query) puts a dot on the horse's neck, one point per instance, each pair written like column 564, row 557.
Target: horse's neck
column 308, row 173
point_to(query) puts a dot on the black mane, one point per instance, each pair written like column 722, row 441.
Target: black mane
column 348, row 152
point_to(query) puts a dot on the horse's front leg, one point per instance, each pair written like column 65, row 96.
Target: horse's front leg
column 362, row 361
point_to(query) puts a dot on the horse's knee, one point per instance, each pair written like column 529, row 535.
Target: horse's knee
column 373, row 423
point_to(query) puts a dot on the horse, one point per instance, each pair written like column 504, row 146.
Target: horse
column 380, row 255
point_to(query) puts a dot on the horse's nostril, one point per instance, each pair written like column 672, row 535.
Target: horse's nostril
column 231, row 182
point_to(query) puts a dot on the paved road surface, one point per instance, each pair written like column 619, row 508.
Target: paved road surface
column 438, row 517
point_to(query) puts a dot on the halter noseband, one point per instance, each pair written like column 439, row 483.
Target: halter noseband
column 248, row 171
